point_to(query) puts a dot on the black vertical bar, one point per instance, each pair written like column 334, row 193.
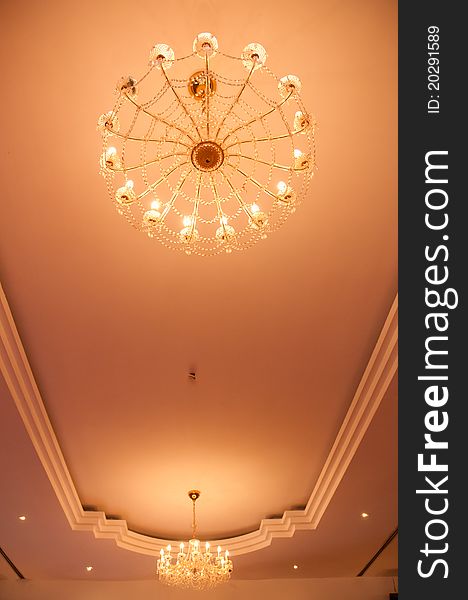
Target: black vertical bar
column 432, row 118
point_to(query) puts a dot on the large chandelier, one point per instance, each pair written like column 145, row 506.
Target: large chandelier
column 194, row 566
column 213, row 157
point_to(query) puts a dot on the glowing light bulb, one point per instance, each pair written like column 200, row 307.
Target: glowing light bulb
column 301, row 122
column 227, row 553
column 295, row 567
column 129, row 184
column 219, row 550
column 89, row 568
column 282, row 187
column 187, row 221
column 168, row 547
column 155, row 205
column 255, row 208
column 297, row 153
column 224, row 220
column 207, row 546
column 22, row 518
column 182, row 547
column 110, row 159
column 161, row 552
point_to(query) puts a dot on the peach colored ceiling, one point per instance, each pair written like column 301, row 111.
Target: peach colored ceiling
column 112, row 322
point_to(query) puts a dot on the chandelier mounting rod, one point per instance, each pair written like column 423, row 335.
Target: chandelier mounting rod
column 194, row 495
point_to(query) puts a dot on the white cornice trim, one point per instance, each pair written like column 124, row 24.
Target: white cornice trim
column 18, row 375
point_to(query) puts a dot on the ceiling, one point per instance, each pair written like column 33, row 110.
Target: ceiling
column 284, row 338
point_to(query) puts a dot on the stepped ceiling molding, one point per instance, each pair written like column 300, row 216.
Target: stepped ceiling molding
column 375, row 381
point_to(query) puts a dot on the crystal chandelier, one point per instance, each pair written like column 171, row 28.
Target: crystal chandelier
column 194, row 567
column 212, row 158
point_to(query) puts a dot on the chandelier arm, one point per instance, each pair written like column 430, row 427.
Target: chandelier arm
column 253, row 180
column 244, row 206
column 268, row 139
column 192, row 229
column 194, row 521
column 218, row 202
column 254, row 62
column 150, row 162
column 259, row 118
column 137, row 139
column 218, row 205
column 207, row 94
column 185, row 57
column 145, row 75
column 264, row 162
column 179, row 100
column 150, row 114
column 163, row 178
column 174, row 197
column 239, row 58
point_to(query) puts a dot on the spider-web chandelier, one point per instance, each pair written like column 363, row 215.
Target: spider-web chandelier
column 194, row 566
column 212, row 157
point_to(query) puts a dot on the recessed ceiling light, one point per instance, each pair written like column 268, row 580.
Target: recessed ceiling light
column 364, row 515
column 22, row 518
column 295, row 567
column 89, row 568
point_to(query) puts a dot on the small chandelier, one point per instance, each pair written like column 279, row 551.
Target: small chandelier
column 195, row 567
column 212, row 158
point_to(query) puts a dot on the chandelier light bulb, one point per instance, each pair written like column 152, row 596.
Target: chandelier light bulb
column 205, row 44
column 110, row 160
column 151, row 217
column 125, row 195
column 301, row 122
column 286, row 194
column 282, row 187
column 226, row 233
column 186, row 138
column 300, row 160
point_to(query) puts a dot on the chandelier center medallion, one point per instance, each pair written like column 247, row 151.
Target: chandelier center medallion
column 207, row 156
